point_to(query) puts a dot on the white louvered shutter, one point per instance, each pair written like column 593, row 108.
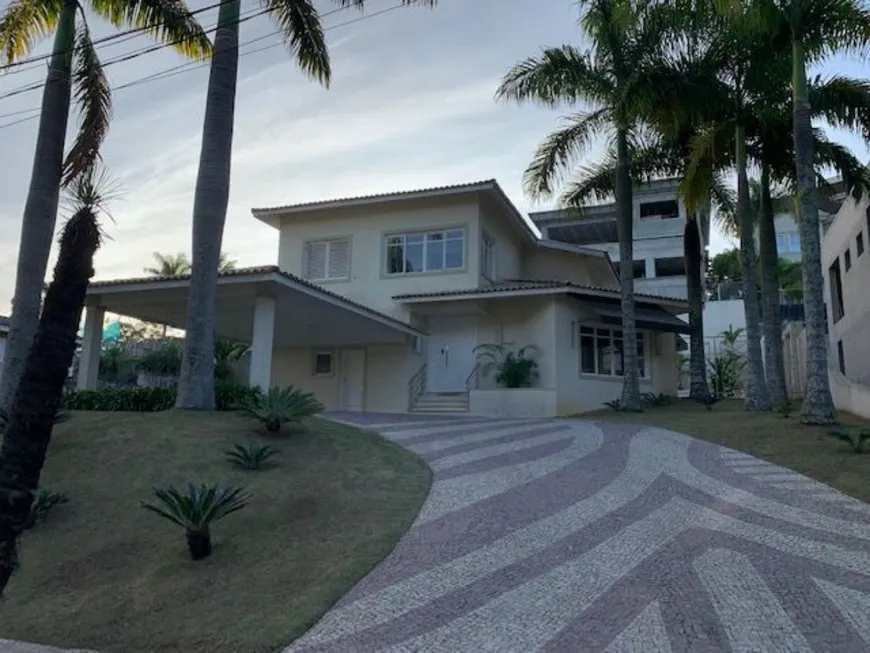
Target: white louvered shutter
column 339, row 259
column 315, row 261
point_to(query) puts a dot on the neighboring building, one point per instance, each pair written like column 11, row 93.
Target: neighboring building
column 4, row 335
column 659, row 222
column 378, row 303
column 788, row 239
column 846, row 266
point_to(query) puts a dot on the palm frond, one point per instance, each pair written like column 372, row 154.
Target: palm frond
column 563, row 74
column 724, row 200
column 855, row 175
column 303, row 34
column 168, row 21
column 24, row 23
column 710, row 151
column 842, row 101
column 560, row 149
column 93, row 97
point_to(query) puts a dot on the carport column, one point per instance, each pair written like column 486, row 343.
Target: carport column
column 261, row 343
column 89, row 361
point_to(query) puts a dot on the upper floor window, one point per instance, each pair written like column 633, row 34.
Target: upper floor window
column 859, row 244
column 487, row 257
column 788, row 242
column 836, row 283
column 429, row 251
column 327, row 260
column 847, row 257
column 664, row 210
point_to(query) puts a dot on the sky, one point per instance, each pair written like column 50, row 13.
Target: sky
column 411, row 105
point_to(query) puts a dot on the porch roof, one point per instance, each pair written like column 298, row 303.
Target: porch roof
column 306, row 315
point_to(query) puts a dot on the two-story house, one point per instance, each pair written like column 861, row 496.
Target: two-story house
column 378, row 304
column 659, row 221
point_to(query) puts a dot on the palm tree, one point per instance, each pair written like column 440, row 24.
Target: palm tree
column 73, row 66
column 611, row 78
column 814, row 29
column 169, row 265
column 225, row 263
column 32, row 413
column 300, row 22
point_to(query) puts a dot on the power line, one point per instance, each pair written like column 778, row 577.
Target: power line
column 194, row 65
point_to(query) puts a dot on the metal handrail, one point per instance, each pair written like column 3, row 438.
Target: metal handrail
column 416, row 386
column 472, row 379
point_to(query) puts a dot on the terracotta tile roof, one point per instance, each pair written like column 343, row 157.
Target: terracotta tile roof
column 253, row 272
column 483, row 184
column 517, row 285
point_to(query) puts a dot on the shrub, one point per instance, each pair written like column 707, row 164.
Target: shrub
column 512, row 368
column 252, row 457
column 42, row 504
column 613, row 404
column 196, row 510
column 230, row 396
column 855, row 437
column 226, row 353
column 142, row 400
column 726, row 373
column 785, row 409
column 282, row 405
column 165, row 360
column 659, row 399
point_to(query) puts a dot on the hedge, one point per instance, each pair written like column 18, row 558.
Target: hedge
column 148, row 400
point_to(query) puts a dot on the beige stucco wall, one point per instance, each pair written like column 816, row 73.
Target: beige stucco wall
column 582, row 269
column 295, row 367
column 852, row 329
column 508, row 245
column 366, row 228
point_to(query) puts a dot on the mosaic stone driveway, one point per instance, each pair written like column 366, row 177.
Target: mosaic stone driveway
column 577, row 536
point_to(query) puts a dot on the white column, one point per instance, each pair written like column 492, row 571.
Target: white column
column 650, row 268
column 89, row 361
column 261, row 343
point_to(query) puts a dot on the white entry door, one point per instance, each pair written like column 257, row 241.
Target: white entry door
column 352, row 373
column 450, row 353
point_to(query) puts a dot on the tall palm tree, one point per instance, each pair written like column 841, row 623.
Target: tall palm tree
column 814, row 29
column 73, row 67
column 31, row 418
column 610, row 77
column 169, row 265
column 303, row 32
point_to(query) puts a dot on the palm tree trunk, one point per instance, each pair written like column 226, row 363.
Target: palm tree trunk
column 40, row 208
column 773, row 357
column 31, row 418
column 698, row 388
column 757, row 397
column 196, row 382
column 630, row 400
column 818, row 407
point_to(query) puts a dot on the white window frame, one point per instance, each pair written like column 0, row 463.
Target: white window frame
column 611, row 374
column 323, row 352
column 328, row 243
column 488, row 268
column 425, row 233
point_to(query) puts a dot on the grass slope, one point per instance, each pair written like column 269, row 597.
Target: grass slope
column 806, row 449
column 103, row 573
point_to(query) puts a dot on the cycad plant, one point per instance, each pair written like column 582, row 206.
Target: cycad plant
column 74, row 69
column 252, row 457
column 303, row 32
column 513, row 368
column 281, row 406
column 196, row 510
column 33, row 411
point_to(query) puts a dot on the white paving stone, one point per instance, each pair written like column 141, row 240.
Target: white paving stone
column 492, row 433
column 854, row 605
column 753, row 619
column 645, row 634
column 499, row 449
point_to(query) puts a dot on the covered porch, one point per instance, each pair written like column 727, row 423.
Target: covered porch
column 263, row 307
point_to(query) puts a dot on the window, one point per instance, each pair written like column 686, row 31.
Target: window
column 323, row 363
column 327, row 260
column 794, row 242
column 670, row 267
column 602, row 350
column 859, row 244
column 842, row 357
column 781, row 243
column 847, row 259
column 425, row 252
column 639, row 269
column 487, row 257
column 836, row 284
column 664, row 210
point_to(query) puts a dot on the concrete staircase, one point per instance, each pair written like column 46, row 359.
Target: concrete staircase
column 441, row 402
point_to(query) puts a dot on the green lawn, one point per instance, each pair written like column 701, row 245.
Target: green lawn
column 786, row 442
column 103, row 573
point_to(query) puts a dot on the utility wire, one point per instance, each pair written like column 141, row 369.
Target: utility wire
column 194, row 65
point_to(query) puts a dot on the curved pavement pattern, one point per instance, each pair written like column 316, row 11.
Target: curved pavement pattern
column 583, row 537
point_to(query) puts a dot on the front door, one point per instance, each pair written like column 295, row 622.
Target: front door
column 352, row 376
column 450, row 353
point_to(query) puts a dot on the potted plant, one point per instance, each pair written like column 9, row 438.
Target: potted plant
column 512, row 368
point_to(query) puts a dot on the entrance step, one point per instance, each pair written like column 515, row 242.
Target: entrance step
column 435, row 402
